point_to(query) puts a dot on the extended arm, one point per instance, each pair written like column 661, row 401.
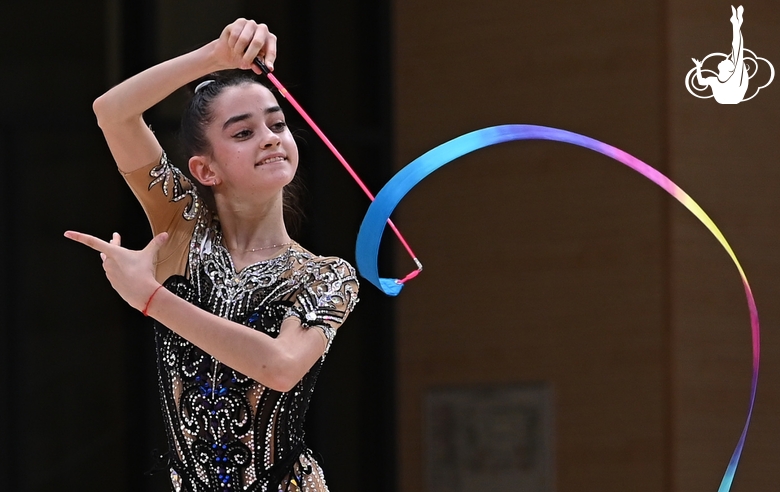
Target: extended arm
column 278, row 363
column 120, row 110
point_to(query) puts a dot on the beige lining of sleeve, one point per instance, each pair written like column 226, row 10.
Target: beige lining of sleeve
column 163, row 216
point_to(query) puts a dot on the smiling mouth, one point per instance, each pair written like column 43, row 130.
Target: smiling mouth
column 271, row 160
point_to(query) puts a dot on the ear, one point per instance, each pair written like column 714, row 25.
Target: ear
column 201, row 169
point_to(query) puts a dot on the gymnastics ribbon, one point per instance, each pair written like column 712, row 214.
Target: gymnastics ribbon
column 387, row 199
column 378, row 214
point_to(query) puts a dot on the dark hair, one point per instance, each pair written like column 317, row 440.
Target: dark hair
column 198, row 114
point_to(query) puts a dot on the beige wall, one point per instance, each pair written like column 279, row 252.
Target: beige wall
column 550, row 263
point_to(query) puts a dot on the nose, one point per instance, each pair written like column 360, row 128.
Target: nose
column 270, row 139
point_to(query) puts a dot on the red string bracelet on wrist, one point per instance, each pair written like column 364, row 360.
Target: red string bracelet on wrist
column 146, row 308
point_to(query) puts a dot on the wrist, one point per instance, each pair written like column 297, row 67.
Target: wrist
column 150, row 299
column 209, row 54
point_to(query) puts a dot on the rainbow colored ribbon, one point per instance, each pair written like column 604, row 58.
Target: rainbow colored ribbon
column 367, row 248
column 378, row 214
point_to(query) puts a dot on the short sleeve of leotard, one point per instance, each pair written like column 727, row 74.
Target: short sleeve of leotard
column 328, row 293
column 172, row 205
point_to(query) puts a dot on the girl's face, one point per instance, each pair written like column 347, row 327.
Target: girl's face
column 252, row 150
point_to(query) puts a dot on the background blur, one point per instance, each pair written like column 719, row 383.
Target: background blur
column 544, row 263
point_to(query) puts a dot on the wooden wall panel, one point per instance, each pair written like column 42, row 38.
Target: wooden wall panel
column 549, row 264
column 726, row 155
column 543, row 262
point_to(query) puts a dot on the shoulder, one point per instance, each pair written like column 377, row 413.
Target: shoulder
column 328, row 276
column 322, row 265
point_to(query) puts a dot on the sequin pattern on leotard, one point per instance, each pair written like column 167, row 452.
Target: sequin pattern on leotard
column 227, row 431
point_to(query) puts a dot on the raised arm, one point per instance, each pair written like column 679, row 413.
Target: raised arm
column 120, row 110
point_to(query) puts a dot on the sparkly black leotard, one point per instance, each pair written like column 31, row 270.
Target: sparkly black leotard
column 227, row 431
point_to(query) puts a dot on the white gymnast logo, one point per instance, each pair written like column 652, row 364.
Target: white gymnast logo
column 735, row 70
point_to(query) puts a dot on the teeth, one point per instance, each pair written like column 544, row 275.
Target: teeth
column 272, row 159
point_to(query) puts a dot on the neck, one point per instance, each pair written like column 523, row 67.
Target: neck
column 248, row 225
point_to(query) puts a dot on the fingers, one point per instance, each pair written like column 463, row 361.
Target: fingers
column 87, row 240
column 156, row 243
column 233, row 31
column 114, row 244
column 245, row 40
column 269, row 56
column 248, row 40
column 263, row 46
column 116, row 240
column 256, row 40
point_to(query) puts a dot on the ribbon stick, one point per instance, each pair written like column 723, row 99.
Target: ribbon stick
column 407, row 178
column 286, row 94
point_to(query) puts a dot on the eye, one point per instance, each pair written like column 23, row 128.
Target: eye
column 278, row 127
column 243, row 134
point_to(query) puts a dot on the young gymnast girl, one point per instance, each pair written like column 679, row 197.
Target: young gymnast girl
column 243, row 314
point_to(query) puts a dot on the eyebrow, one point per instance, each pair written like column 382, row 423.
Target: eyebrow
column 244, row 116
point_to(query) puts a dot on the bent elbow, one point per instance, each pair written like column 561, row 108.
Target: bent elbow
column 282, row 376
column 99, row 107
column 284, row 385
column 108, row 112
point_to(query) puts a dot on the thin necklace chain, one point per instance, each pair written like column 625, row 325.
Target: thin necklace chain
column 289, row 243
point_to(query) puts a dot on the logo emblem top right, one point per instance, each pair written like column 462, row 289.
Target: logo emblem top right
column 729, row 85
